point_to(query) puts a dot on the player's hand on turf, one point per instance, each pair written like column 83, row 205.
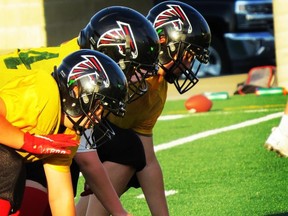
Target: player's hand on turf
column 48, row 144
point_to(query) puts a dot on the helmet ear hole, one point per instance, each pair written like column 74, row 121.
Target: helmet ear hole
column 85, row 99
column 164, row 56
column 172, row 47
column 122, row 64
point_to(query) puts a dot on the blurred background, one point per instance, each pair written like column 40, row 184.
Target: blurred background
column 242, row 31
column 34, row 23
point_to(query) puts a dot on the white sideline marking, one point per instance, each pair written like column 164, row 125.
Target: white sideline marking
column 184, row 140
column 172, row 117
column 167, row 193
column 178, row 116
column 191, row 138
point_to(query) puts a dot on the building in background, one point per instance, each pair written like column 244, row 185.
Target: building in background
column 34, row 23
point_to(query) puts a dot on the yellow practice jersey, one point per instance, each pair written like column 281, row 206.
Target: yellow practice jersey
column 33, row 104
column 143, row 113
column 44, row 58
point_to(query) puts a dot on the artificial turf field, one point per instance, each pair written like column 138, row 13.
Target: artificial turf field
column 214, row 163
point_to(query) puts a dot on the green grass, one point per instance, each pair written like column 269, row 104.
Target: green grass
column 229, row 173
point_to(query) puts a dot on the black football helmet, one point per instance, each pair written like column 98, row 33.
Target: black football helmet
column 181, row 29
column 129, row 39
column 98, row 80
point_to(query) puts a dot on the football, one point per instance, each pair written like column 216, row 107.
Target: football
column 198, row 103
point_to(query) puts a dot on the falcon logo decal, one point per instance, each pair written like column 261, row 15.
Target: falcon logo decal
column 90, row 67
column 175, row 16
column 122, row 37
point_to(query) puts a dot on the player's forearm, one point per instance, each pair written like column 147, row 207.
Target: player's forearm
column 60, row 191
column 102, row 187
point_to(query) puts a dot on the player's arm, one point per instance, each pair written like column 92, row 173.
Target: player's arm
column 9, row 134
column 47, row 144
column 99, row 182
column 60, row 191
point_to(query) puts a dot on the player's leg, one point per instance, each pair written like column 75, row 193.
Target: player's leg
column 151, row 180
column 119, row 175
column 121, row 157
column 35, row 200
column 278, row 139
column 82, row 205
column 99, row 182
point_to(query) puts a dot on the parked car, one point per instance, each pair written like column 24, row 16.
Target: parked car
column 242, row 34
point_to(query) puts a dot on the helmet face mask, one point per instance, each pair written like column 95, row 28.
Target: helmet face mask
column 181, row 30
column 182, row 70
column 89, row 81
column 86, row 120
column 100, row 134
column 136, row 74
column 129, row 39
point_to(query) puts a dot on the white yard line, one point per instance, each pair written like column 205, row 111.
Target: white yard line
column 167, row 193
column 193, row 137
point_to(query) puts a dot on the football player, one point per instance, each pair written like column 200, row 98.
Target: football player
column 130, row 39
column 133, row 43
column 33, row 105
column 277, row 141
column 185, row 38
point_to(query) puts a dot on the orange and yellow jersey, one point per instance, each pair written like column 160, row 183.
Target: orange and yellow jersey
column 32, row 103
column 142, row 114
column 44, row 58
